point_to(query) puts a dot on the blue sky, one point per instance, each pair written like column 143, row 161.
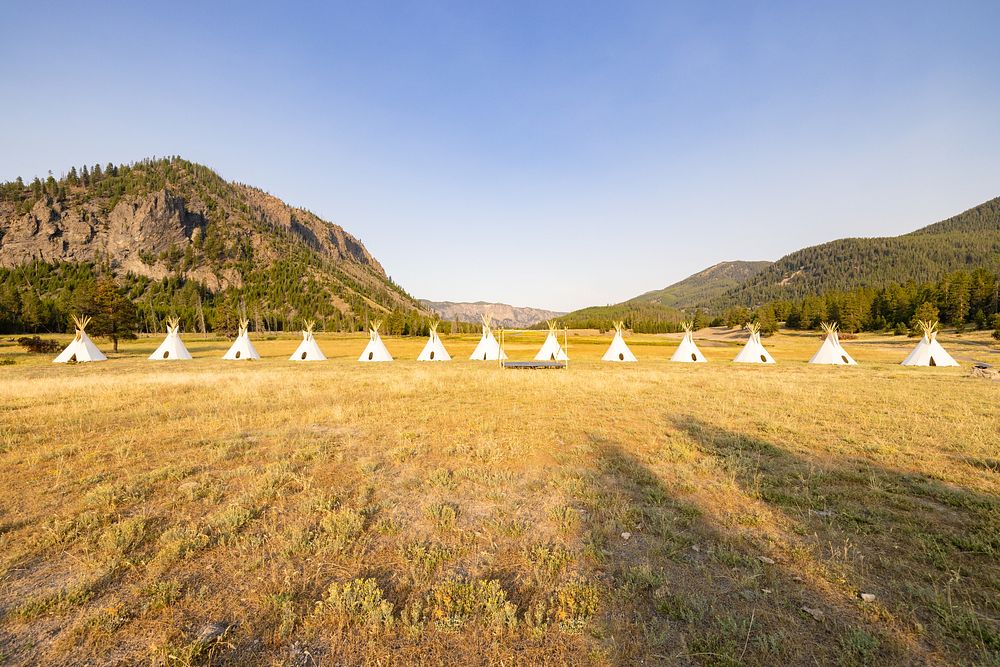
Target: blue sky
column 552, row 154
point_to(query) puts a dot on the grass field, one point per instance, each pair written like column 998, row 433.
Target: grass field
column 212, row 512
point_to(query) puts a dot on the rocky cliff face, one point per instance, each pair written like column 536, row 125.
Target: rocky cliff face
column 132, row 233
column 52, row 231
column 320, row 235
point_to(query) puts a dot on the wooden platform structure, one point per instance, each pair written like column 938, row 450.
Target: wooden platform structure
column 534, row 364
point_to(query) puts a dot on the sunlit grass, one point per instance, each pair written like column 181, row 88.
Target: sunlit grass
column 460, row 513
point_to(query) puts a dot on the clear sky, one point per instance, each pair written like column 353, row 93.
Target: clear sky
column 551, row 154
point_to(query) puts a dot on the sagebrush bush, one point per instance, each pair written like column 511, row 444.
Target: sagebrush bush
column 356, row 602
column 453, row 604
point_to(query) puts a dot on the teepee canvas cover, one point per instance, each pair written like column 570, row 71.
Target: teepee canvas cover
column 688, row 351
column 618, row 350
column 488, row 348
column 172, row 348
column 753, row 352
column 308, row 350
column 434, row 349
column 242, row 349
column 928, row 351
column 551, row 349
column 81, row 348
column 375, row 350
column 831, row 351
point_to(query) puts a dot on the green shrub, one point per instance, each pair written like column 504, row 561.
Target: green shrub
column 569, row 608
column 453, row 604
column 357, row 602
column 36, row 345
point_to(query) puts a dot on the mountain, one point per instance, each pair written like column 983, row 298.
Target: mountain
column 502, row 314
column 168, row 225
column 966, row 241
column 706, row 285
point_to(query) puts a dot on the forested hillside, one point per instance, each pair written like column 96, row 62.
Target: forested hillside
column 178, row 239
column 963, row 299
column 873, row 283
column 967, row 241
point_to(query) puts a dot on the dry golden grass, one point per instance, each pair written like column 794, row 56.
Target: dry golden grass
column 342, row 513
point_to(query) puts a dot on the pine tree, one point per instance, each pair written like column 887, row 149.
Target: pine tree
column 32, row 311
column 925, row 312
column 115, row 316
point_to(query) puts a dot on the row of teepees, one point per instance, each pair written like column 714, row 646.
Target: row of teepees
column 928, row 351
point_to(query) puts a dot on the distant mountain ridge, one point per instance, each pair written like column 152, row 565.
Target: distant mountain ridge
column 503, row 314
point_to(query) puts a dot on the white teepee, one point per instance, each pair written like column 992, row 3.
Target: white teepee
column 172, row 348
column 688, row 351
column 434, row 349
column 928, row 351
column 375, row 350
column 488, row 348
column 81, row 348
column 308, row 350
column 242, row 349
column 551, row 350
column 618, row 350
column 753, row 352
column 831, row 351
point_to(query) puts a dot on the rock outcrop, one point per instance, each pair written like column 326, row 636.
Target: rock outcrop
column 502, row 314
column 52, row 232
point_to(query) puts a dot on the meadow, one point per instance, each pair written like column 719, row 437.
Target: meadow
column 268, row 512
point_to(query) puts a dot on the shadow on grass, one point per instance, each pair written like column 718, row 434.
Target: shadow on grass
column 697, row 584
column 927, row 549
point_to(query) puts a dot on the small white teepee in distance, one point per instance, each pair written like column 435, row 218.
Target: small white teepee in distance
column 831, row 352
column 928, row 351
column 488, row 348
column 434, row 349
column 81, row 348
column 551, row 350
column 172, row 348
column 618, row 350
column 308, row 350
column 753, row 352
column 242, row 349
column 688, row 351
column 375, row 350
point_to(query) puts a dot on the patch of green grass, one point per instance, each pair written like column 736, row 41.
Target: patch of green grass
column 444, row 515
column 858, row 647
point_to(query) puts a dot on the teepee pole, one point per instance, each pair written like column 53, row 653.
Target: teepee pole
column 566, row 346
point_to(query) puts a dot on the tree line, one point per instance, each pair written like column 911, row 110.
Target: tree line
column 961, row 299
column 41, row 298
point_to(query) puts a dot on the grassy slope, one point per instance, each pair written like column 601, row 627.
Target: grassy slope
column 666, row 304
column 139, row 501
column 705, row 285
